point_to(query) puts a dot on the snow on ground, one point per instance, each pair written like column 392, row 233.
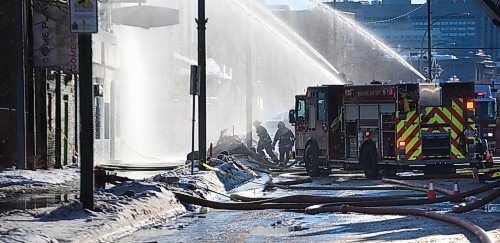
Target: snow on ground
column 120, row 210
column 30, row 177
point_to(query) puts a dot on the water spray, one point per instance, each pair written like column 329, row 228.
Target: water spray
column 367, row 35
column 326, row 65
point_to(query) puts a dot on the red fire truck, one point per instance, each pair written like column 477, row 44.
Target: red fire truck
column 387, row 126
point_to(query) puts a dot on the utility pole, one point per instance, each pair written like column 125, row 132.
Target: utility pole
column 20, row 21
column 87, row 122
column 429, row 42
column 83, row 19
column 202, row 99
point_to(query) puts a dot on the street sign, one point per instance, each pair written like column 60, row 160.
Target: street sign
column 83, row 16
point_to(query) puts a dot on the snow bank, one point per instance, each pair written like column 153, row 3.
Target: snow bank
column 121, row 209
column 27, row 235
column 30, row 177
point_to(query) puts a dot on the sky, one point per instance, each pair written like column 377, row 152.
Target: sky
column 302, row 4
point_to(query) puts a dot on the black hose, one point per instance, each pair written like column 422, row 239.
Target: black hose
column 267, row 204
column 349, row 188
column 304, row 202
column 315, row 199
column 416, row 185
column 471, row 206
column 476, row 230
column 238, row 206
column 325, row 207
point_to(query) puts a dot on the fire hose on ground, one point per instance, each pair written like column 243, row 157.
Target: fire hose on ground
column 415, row 185
column 289, row 185
column 349, row 188
column 404, row 202
column 309, row 204
column 314, row 199
column 299, row 203
column 476, row 230
column 312, row 207
column 471, row 206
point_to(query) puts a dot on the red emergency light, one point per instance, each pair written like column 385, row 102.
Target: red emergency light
column 480, row 94
column 402, row 144
column 367, row 134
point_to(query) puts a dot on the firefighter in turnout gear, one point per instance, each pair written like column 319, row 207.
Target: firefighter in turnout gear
column 264, row 141
column 286, row 140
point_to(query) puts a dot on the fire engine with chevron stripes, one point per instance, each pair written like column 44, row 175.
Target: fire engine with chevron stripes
column 385, row 128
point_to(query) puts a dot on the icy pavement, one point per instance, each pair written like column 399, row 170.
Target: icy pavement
column 120, row 210
column 290, row 226
column 30, row 177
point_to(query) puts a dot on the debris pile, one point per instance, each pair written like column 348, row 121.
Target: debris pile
column 232, row 145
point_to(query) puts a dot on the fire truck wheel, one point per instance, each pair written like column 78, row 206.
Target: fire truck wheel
column 311, row 160
column 368, row 160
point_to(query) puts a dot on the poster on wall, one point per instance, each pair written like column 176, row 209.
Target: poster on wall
column 54, row 46
column 83, row 16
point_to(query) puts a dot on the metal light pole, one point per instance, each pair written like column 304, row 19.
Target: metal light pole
column 202, row 99
column 429, row 42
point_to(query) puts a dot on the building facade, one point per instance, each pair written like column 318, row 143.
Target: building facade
column 459, row 27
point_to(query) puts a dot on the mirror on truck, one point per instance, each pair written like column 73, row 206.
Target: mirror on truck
column 291, row 117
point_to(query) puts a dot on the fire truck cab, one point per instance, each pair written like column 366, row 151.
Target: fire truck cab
column 386, row 126
column 486, row 114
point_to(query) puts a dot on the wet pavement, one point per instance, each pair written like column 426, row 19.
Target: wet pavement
column 34, row 201
column 37, row 195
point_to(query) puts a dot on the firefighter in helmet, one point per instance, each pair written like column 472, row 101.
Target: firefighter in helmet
column 264, row 141
column 286, row 140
